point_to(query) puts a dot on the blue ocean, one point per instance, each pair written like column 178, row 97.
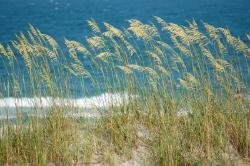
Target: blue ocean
column 67, row 18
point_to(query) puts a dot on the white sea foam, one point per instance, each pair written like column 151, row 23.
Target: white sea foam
column 103, row 101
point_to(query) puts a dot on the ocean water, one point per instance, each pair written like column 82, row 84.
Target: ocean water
column 67, row 18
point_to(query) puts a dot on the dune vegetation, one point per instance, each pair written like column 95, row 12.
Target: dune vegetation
column 184, row 91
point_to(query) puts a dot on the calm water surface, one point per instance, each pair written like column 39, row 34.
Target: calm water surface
column 67, row 18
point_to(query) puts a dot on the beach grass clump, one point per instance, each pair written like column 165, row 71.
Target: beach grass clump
column 40, row 141
column 173, row 95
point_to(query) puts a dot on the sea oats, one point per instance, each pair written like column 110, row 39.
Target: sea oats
column 94, row 26
column 35, row 35
column 207, row 53
column 130, row 48
column 153, row 82
column 70, row 70
column 51, row 54
column 190, row 78
column 39, row 50
column 222, row 48
column 184, row 83
column 39, row 35
column 162, row 22
column 16, row 86
column 182, row 47
column 195, row 36
column 212, row 31
column 10, row 52
column 22, row 38
column 22, row 48
column 214, row 34
column 104, row 56
column 32, row 38
column 77, row 46
column 208, row 90
column 248, row 36
column 80, row 70
column 46, row 76
column 224, row 63
column 29, row 48
column 159, row 52
column 96, row 42
column 14, row 44
column 138, row 29
column 156, row 58
column 240, row 83
column 127, row 33
column 236, row 43
column 113, row 30
column 163, row 70
column 51, row 41
column 242, row 47
column 3, row 51
column 34, row 32
column 175, row 67
column 152, row 30
column 168, row 47
column 108, row 34
column 217, row 66
column 157, row 94
column 144, row 31
column 189, row 82
column 178, row 31
column 151, row 72
column 164, row 44
column 72, row 45
column 153, row 76
column 117, row 47
column 136, row 67
column 125, row 69
column 178, row 59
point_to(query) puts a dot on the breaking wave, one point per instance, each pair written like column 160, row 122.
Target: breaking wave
column 104, row 100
